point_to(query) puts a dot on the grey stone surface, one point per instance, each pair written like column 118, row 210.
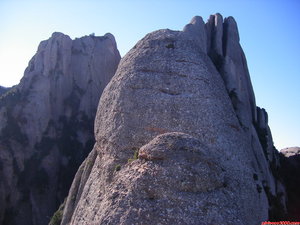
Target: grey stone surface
column 46, row 127
column 195, row 31
column 173, row 178
column 228, row 56
column 169, row 82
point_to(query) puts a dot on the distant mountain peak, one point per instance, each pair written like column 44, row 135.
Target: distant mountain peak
column 46, row 124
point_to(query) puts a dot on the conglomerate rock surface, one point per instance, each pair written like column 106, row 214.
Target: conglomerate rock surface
column 179, row 138
column 46, row 124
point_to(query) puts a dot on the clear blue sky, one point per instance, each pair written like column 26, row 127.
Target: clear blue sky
column 269, row 32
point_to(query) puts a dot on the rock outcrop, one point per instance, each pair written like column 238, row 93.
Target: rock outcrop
column 179, row 138
column 3, row 90
column 46, row 124
column 290, row 172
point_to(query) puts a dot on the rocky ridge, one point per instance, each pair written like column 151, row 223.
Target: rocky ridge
column 46, row 124
column 178, row 128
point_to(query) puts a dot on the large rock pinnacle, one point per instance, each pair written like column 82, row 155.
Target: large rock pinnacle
column 183, row 101
column 46, row 127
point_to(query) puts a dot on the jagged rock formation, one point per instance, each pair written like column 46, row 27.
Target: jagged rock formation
column 290, row 171
column 183, row 102
column 46, row 124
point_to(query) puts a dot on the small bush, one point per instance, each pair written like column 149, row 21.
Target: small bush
column 135, row 156
column 118, row 167
column 57, row 216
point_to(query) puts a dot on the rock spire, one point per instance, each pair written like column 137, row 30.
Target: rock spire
column 179, row 138
column 46, row 124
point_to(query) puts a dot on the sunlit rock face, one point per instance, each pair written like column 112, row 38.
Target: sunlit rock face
column 179, row 139
column 46, row 124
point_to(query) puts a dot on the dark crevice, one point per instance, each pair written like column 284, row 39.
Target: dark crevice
column 170, row 46
column 225, row 37
column 169, row 92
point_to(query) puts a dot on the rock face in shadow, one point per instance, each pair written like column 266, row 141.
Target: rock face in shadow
column 46, row 124
column 179, row 138
column 290, row 171
column 3, row 90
